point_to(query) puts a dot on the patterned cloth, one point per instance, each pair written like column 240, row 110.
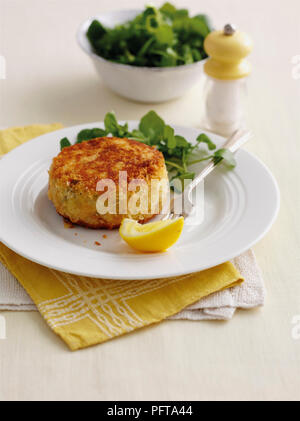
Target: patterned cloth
column 218, row 306
column 87, row 311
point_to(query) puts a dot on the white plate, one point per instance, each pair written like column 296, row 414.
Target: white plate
column 240, row 207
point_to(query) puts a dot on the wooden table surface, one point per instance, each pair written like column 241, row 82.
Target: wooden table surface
column 253, row 356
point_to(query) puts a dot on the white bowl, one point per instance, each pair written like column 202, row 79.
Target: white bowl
column 144, row 84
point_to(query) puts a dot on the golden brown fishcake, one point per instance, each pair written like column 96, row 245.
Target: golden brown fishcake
column 75, row 172
column 100, row 158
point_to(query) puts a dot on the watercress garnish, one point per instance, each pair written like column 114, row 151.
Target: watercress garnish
column 64, row 143
column 178, row 152
column 88, row 134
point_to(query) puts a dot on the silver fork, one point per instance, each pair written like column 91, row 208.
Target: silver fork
column 233, row 143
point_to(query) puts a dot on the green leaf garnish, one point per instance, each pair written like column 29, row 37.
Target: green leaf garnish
column 169, row 137
column 111, row 124
column 203, row 138
column 152, row 126
column 226, row 157
column 64, row 143
column 88, row 134
column 138, row 135
column 181, row 142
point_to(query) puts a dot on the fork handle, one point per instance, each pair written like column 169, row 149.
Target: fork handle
column 238, row 138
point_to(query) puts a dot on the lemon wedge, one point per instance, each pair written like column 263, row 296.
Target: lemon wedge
column 151, row 237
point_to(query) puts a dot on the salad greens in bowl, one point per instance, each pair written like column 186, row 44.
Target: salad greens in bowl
column 161, row 37
column 151, row 55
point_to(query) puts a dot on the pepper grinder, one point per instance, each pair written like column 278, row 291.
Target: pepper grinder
column 226, row 69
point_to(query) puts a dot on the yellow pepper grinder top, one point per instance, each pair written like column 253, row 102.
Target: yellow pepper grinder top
column 228, row 50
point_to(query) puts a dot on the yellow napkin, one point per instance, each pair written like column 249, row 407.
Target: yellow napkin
column 13, row 137
column 87, row 311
